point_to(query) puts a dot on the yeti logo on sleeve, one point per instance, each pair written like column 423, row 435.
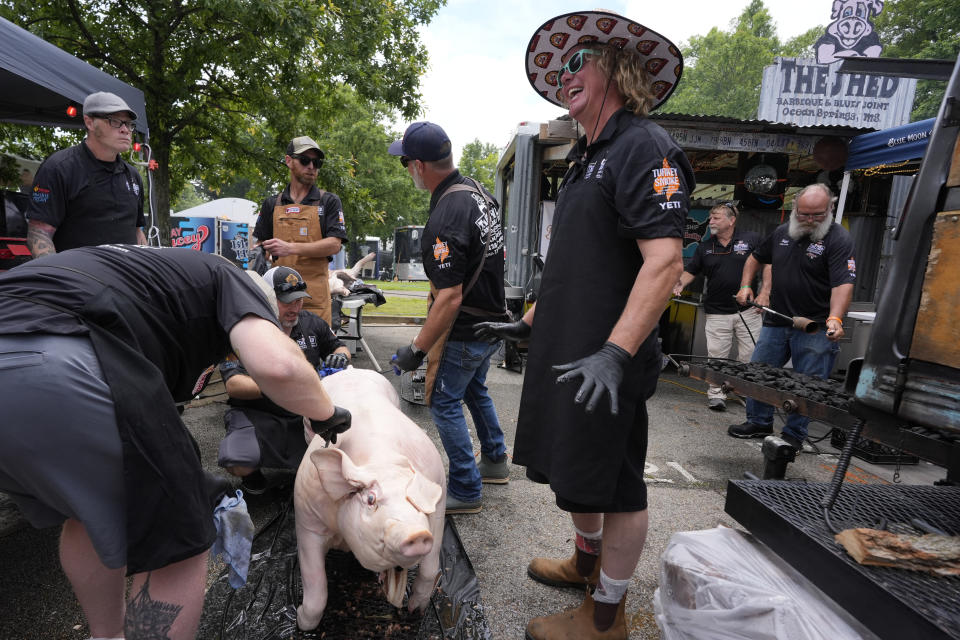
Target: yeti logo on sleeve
column 666, row 184
column 440, row 253
column 852, row 267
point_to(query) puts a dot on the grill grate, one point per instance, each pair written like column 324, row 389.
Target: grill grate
column 788, row 518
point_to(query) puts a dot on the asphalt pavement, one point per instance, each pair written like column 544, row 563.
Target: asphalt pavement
column 689, row 463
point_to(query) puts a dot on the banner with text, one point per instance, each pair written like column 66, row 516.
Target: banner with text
column 802, row 92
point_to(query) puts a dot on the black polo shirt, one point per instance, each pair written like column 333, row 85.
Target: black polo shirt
column 723, row 267
column 804, row 272
column 89, row 201
column 452, row 245
column 330, row 210
column 315, row 339
column 176, row 307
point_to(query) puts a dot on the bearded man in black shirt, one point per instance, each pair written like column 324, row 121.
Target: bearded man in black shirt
column 814, row 269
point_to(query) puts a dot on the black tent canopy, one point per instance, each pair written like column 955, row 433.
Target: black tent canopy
column 39, row 81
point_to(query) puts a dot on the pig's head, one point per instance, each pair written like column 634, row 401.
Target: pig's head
column 852, row 20
column 382, row 512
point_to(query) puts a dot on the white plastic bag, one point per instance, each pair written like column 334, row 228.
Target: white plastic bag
column 719, row 584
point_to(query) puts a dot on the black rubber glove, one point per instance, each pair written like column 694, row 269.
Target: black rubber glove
column 494, row 331
column 335, row 424
column 602, row 373
column 336, row 361
column 407, row 359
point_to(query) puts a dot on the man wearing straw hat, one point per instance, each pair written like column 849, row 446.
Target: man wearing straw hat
column 621, row 208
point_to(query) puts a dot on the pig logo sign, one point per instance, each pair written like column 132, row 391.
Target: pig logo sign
column 851, row 32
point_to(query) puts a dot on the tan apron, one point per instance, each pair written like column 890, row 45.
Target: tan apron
column 301, row 223
column 435, row 354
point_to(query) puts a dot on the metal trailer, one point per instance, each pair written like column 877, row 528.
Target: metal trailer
column 407, row 261
column 905, row 396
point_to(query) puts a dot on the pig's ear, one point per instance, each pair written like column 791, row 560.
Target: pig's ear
column 423, row 493
column 338, row 475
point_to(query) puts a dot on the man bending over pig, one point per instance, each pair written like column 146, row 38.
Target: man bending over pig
column 259, row 433
column 97, row 345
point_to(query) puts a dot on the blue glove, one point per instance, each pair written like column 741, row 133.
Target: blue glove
column 408, row 358
column 335, row 361
column 602, row 373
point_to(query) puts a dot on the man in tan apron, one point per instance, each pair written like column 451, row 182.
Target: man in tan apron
column 303, row 226
column 462, row 249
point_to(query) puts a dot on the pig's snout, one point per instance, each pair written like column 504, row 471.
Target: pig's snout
column 410, row 542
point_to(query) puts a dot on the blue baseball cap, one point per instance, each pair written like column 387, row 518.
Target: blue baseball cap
column 423, row 141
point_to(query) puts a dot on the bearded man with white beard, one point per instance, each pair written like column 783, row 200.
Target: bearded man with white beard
column 814, row 269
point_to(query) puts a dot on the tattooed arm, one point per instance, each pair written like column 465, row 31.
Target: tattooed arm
column 40, row 238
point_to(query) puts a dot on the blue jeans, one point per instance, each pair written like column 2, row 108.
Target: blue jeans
column 461, row 377
column 812, row 354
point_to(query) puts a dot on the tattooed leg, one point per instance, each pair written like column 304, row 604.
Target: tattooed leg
column 166, row 604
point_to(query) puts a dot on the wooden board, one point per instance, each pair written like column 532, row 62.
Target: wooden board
column 936, row 554
column 953, row 178
column 936, row 336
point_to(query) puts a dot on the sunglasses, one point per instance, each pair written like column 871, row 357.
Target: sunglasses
column 574, row 64
column 286, row 287
column 730, row 206
column 404, row 160
column 116, row 123
column 307, row 160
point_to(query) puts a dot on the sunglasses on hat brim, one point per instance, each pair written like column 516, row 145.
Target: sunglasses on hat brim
column 287, row 287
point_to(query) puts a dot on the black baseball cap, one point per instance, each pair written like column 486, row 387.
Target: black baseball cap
column 287, row 284
column 423, row 141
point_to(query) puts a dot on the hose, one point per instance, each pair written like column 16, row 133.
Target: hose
column 843, row 463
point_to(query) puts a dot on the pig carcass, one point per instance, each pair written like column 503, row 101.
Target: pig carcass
column 379, row 492
column 341, row 279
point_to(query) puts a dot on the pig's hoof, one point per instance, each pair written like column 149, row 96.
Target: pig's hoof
column 313, row 634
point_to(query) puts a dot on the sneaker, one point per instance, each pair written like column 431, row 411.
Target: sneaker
column 749, row 430
column 459, row 506
column 716, row 404
column 254, row 484
column 796, row 443
column 493, row 472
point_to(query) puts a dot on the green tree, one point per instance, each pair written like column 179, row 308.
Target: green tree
column 724, row 69
column 227, row 82
column 479, row 160
column 921, row 29
column 190, row 196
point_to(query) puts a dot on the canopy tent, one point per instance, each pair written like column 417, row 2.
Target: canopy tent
column 906, row 142
column 38, row 82
column 896, row 144
column 234, row 209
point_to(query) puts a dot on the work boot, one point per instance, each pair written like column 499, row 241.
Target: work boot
column 562, row 573
column 254, row 484
column 493, row 472
column 749, row 430
column 454, row 506
column 716, row 404
column 577, row 624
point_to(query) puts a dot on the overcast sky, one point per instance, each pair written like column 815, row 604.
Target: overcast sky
column 476, row 86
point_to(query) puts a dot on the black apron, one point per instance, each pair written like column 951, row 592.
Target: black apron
column 169, row 513
column 587, row 278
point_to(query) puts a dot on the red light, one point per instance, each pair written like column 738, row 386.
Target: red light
column 72, row 111
column 136, row 146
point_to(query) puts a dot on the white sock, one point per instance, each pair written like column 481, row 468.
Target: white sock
column 609, row 590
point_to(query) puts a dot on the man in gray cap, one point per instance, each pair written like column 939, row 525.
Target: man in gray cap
column 87, row 194
column 303, row 226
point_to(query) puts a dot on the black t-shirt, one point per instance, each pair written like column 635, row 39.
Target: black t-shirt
column 89, row 201
column 175, row 307
column 804, row 272
column 452, row 245
column 723, row 267
column 330, row 210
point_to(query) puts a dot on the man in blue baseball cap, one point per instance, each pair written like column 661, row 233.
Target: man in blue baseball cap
column 462, row 249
